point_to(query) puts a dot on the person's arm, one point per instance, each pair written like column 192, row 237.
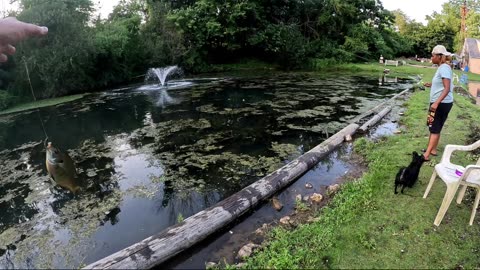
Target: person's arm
column 13, row 31
column 446, row 90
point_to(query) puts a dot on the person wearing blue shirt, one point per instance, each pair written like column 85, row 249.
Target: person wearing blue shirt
column 441, row 98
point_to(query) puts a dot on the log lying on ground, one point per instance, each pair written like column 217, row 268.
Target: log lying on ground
column 375, row 119
column 164, row 245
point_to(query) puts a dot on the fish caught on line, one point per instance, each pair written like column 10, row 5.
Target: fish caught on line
column 61, row 168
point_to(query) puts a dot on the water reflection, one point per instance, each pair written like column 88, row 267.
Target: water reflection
column 165, row 99
column 146, row 157
column 385, row 80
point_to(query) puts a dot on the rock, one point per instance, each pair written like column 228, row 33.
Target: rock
column 277, row 205
column 246, row 250
column 348, row 138
column 298, row 197
column 400, row 113
column 398, row 131
column 305, row 198
column 316, row 198
column 261, row 231
column 332, row 189
column 240, row 265
column 210, row 265
column 308, row 185
column 285, row 220
column 91, row 173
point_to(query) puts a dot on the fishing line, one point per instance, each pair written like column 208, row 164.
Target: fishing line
column 34, row 98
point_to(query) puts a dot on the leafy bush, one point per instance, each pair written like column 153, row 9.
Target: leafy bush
column 6, row 100
column 284, row 42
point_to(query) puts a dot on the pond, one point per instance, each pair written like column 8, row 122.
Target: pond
column 148, row 157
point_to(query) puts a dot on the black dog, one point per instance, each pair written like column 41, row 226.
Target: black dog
column 407, row 176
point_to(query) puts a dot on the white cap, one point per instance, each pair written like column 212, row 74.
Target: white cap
column 439, row 49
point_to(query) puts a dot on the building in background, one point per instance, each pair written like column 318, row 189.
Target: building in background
column 470, row 55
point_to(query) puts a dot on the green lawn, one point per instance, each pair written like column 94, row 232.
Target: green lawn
column 367, row 226
column 41, row 103
column 400, row 71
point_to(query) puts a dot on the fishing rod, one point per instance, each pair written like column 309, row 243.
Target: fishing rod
column 35, row 99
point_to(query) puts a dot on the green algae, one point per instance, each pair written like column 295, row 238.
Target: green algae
column 285, row 150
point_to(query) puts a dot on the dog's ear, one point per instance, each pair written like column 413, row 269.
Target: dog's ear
column 415, row 154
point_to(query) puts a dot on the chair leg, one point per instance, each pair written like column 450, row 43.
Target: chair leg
column 430, row 184
column 447, row 199
column 475, row 206
column 461, row 194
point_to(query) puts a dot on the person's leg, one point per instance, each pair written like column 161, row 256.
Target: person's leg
column 439, row 120
column 432, row 145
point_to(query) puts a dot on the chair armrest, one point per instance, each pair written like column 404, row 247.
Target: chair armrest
column 470, row 168
column 451, row 147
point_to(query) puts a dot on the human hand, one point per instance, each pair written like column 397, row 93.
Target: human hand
column 13, row 31
column 434, row 107
column 427, row 84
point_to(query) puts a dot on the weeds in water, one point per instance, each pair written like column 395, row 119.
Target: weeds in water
column 180, row 218
column 301, row 205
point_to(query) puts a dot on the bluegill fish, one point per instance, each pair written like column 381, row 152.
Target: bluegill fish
column 61, row 169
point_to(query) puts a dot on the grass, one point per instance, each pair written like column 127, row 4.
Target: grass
column 367, row 226
column 400, row 71
column 41, row 103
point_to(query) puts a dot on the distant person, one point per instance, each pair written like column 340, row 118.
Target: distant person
column 13, row 31
column 441, row 98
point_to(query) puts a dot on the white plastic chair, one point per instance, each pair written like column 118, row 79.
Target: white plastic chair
column 455, row 77
column 446, row 171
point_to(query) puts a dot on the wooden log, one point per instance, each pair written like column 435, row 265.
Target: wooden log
column 171, row 241
column 399, row 94
column 375, row 119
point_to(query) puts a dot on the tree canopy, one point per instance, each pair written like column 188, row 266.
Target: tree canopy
column 83, row 52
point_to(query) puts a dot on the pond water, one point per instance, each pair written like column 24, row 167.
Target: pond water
column 147, row 157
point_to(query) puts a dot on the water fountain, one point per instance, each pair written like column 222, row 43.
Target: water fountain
column 161, row 74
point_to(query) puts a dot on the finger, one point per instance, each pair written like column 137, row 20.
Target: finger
column 35, row 30
column 9, row 49
column 3, row 58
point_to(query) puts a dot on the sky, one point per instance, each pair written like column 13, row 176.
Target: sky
column 104, row 7
column 415, row 9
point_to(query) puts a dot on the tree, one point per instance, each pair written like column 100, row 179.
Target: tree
column 163, row 44
column 215, row 28
column 473, row 25
column 118, row 46
column 60, row 63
